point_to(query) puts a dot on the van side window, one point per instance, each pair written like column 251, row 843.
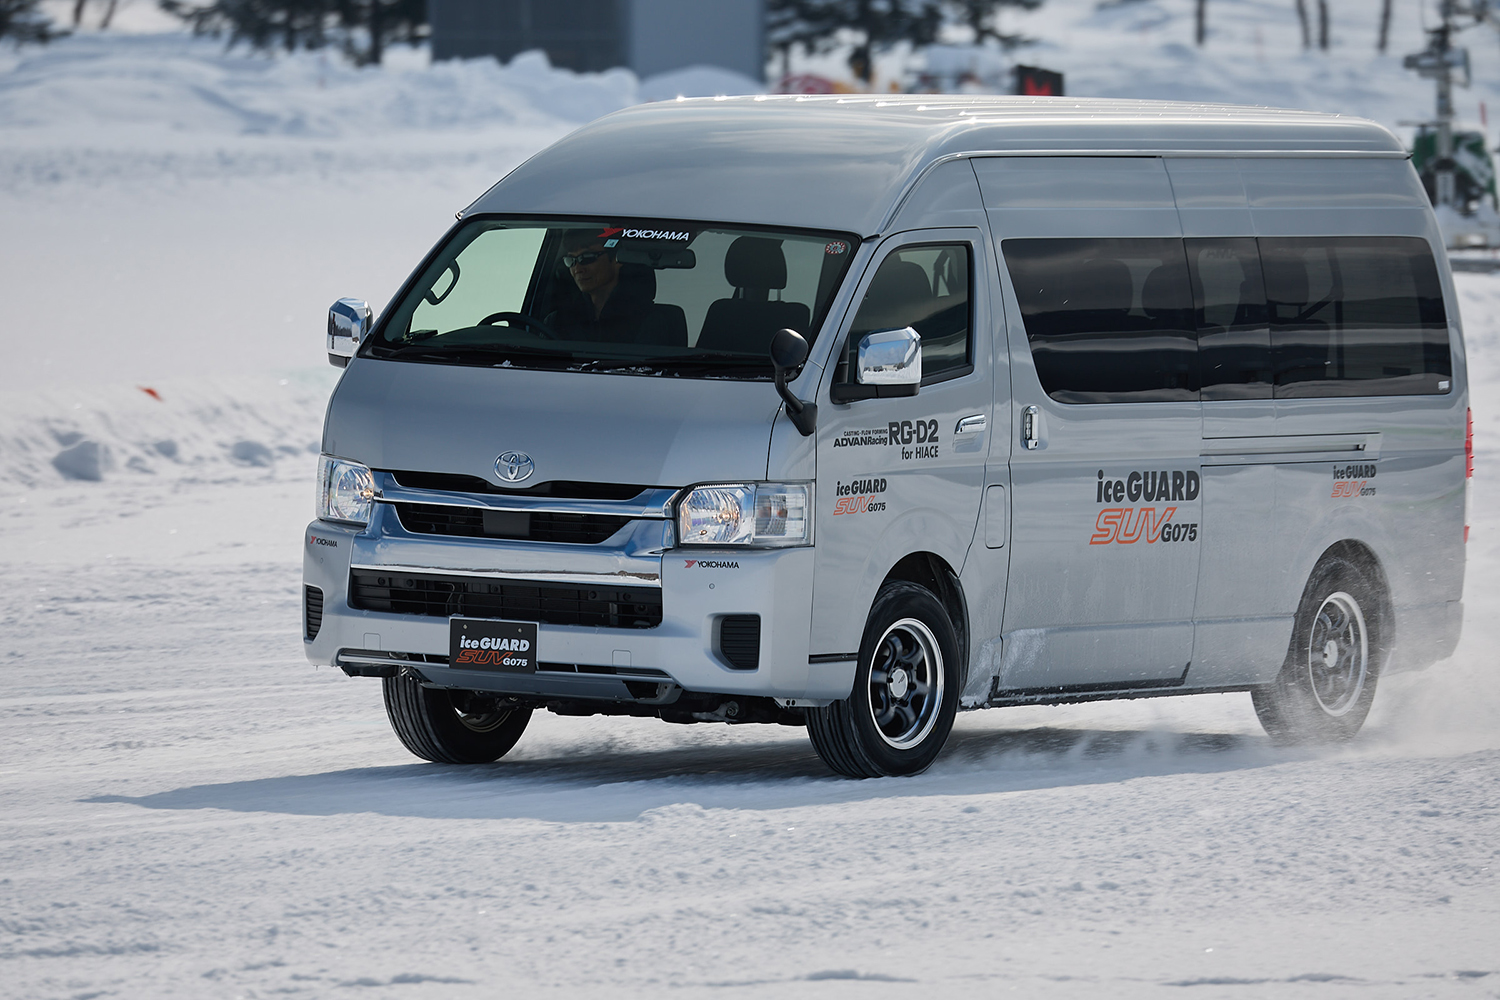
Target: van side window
column 1108, row 321
column 1355, row 316
column 1229, row 309
column 927, row 289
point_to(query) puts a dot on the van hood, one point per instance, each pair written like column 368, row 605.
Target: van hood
column 584, row 427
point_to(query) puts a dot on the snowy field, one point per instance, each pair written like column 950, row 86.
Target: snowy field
column 188, row 810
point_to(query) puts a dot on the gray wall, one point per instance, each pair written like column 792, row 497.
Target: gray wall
column 673, row 34
column 583, row 35
column 649, row 36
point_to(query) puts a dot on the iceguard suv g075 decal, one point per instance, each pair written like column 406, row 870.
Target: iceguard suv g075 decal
column 859, row 497
column 1128, row 525
column 1352, row 481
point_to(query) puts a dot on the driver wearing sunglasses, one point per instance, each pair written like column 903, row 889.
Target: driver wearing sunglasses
column 611, row 307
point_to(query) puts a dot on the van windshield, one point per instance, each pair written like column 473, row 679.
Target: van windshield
column 628, row 296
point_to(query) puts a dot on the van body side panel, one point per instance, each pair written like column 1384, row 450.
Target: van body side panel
column 1410, row 511
column 986, row 575
column 1241, row 624
column 893, row 476
column 1095, row 597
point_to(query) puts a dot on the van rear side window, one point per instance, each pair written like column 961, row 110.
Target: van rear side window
column 1355, row 316
column 1109, row 321
column 1229, row 304
column 1114, row 320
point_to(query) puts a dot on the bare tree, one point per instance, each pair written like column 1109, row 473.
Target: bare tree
column 1385, row 24
column 1323, row 25
column 104, row 22
column 1302, row 19
column 1200, row 31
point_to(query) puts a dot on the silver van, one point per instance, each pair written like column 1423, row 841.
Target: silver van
column 853, row 412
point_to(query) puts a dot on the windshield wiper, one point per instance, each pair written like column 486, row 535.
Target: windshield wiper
column 708, row 361
column 489, row 353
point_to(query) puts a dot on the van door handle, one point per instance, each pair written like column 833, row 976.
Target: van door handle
column 972, row 424
column 1031, row 428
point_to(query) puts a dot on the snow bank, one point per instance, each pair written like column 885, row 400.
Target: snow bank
column 170, row 430
column 141, row 84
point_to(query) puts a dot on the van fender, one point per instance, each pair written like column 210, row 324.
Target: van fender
column 934, row 531
column 1346, row 523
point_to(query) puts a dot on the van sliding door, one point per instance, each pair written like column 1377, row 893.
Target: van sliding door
column 1105, row 470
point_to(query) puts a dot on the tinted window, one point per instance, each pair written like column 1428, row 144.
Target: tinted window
column 927, row 289
column 1355, row 316
column 1109, row 321
column 1229, row 309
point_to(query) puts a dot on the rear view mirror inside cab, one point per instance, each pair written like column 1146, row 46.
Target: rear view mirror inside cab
column 659, row 258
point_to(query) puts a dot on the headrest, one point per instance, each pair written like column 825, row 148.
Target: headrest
column 1103, row 284
column 1286, row 280
column 899, row 296
column 755, row 262
column 639, row 277
column 1161, row 298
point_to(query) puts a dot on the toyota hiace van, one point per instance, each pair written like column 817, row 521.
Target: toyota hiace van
column 852, row 413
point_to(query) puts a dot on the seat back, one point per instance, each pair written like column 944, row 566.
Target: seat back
column 746, row 322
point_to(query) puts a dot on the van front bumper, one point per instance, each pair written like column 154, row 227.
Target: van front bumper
column 698, row 590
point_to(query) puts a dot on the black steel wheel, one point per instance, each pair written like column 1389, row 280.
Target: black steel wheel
column 452, row 727
column 905, row 695
column 1327, row 684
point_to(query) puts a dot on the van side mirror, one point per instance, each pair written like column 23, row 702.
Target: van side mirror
column 788, row 355
column 886, row 363
column 349, row 322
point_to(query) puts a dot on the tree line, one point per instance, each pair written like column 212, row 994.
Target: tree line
column 364, row 29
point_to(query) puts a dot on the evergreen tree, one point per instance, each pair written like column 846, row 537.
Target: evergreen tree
column 364, row 29
column 20, row 21
column 813, row 25
column 982, row 17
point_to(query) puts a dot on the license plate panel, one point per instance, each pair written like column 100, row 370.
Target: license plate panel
column 491, row 645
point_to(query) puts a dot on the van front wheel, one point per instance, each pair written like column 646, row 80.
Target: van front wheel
column 1325, row 688
column 906, row 688
column 452, row 727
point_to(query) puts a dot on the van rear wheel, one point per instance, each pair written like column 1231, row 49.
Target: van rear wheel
column 905, row 695
column 1325, row 689
column 452, row 727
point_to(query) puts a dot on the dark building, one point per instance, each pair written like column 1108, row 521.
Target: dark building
column 649, row 36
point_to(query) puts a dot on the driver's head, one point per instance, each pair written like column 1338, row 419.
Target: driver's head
column 591, row 264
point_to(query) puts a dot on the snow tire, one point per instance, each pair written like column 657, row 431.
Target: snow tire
column 451, row 727
column 906, row 689
column 1327, row 684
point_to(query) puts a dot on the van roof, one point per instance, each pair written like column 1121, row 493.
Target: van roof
column 844, row 162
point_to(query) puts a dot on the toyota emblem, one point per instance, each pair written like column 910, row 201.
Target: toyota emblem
column 514, row 467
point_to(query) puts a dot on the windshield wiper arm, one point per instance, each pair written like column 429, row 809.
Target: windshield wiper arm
column 668, row 362
column 487, row 351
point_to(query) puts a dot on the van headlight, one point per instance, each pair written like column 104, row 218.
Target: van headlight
column 346, row 490
column 764, row 514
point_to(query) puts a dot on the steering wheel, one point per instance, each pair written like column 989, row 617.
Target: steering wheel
column 514, row 318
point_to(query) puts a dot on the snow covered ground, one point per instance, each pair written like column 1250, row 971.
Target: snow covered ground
column 188, row 810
